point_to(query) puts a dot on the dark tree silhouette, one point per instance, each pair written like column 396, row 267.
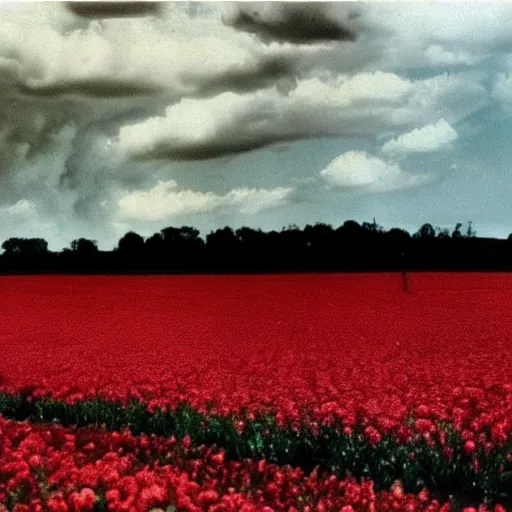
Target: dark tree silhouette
column 25, row 246
column 82, row 255
column 426, row 232
column 130, row 252
column 131, row 244
column 470, row 232
column 223, row 248
column 12, row 246
column 154, row 244
column 84, row 247
column 456, row 233
column 253, row 247
column 397, row 236
column 350, row 231
column 372, row 228
column 443, row 233
column 316, row 247
column 181, row 247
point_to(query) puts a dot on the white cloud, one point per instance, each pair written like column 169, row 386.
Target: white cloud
column 359, row 170
column 165, row 200
column 430, row 34
column 364, row 104
column 439, row 56
column 23, row 208
column 422, row 140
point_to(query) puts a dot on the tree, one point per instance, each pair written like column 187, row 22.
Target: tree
column 250, row 238
column 372, row 227
column 456, row 232
column 442, row 233
column 350, row 231
column 470, row 232
column 131, row 244
column 223, row 247
column 426, row 232
column 395, row 249
column 254, row 244
column 222, row 240
column 182, row 246
column 288, row 247
column 12, row 246
column 84, row 246
column 397, row 236
column 25, row 246
column 319, row 235
column 154, row 243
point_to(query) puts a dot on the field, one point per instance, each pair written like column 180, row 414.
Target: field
column 348, row 374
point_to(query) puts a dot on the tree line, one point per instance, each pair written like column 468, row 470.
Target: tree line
column 319, row 247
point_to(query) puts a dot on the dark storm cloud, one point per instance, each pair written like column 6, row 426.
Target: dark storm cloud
column 296, row 22
column 245, row 78
column 113, row 9
column 33, row 123
column 88, row 179
column 266, row 72
column 97, row 88
column 228, row 146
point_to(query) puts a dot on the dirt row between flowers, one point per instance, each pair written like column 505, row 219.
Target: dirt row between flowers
column 449, row 467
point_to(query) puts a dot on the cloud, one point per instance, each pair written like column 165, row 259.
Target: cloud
column 502, row 91
column 174, row 54
column 23, row 208
column 113, row 9
column 193, row 81
column 439, row 56
column 165, row 200
column 439, row 34
column 432, row 137
column 502, row 88
column 357, row 170
column 29, row 129
column 363, row 104
column 21, row 219
column 297, row 22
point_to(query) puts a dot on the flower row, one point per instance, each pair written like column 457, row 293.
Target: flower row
column 52, row 468
column 444, row 462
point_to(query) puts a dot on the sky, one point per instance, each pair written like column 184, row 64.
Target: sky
column 261, row 114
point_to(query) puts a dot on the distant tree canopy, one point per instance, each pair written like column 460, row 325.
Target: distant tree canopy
column 25, row 246
column 426, row 232
column 84, row 246
column 131, row 243
column 316, row 247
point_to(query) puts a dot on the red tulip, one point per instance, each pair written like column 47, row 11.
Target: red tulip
column 469, row 447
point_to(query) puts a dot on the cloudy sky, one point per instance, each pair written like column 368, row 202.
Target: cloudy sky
column 256, row 114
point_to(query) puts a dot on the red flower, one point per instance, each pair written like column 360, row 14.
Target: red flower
column 218, row 458
column 373, row 435
column 469, row 447
column 422, row 411
column 21, row 508
column 207, row 497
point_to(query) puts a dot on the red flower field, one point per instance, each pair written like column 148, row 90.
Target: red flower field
column 348, row 349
